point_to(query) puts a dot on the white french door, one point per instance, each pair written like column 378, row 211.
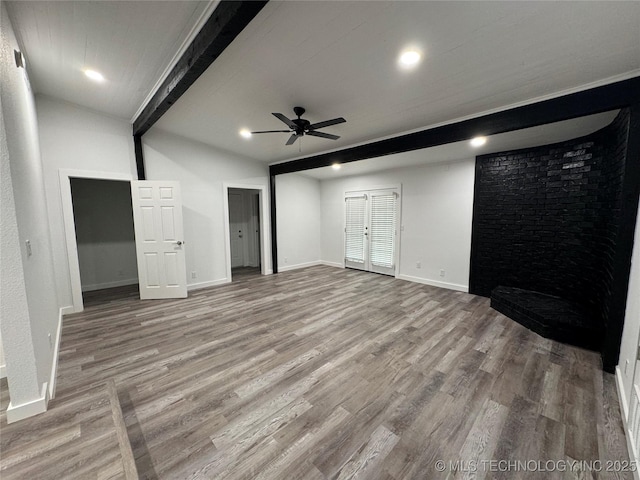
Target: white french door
column 157, row 217
column 371, row 230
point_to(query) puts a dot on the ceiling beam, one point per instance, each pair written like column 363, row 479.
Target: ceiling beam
column 226, row 22
column 600, row 99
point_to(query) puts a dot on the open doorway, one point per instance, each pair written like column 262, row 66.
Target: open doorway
column 244, row 233
column 104, row 230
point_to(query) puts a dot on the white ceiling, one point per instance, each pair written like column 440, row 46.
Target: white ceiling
column 527, row 137
column 339, row 59
column 335, row 58
column 130, row 42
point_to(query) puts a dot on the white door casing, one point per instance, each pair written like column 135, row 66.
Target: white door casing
column 264, row 238
column 65, row 176
column 371, row 230
column 157, row 216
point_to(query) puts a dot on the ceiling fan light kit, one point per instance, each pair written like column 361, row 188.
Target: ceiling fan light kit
column 299, row 127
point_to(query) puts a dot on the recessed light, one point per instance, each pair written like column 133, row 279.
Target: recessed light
column 409, row 58
column 336, row 166
column 478, row 141
column 93, row 75
column 245, row 133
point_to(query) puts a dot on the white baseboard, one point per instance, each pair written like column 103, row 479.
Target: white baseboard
column 332, row 264
column 29, row 409
column 67, row 310
column 435, row 283
column 622, row 396
column 56, row 351
column 102, row 286
column 3, row 371
column 211, row 283
column 286, row 268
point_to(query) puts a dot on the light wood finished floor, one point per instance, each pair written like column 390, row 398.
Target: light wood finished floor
column 328, row 373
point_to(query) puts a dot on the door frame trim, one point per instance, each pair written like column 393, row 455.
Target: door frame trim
column 65, row 176
column 264, row 228
column 394, row 186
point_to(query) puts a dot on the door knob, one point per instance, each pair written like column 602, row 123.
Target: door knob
column 179, row 243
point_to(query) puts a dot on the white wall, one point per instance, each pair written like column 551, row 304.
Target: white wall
column 631, row 332
column 201, row 171
column 75, row 138
column 3, row 367
column 437, row 208
column 104, row 231
column 29, row 304
column 298, row 212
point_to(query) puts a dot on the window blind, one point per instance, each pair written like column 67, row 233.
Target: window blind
column 383, row 229
column 354, row 229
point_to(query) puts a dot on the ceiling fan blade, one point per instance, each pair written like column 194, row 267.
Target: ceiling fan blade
column 323, row 135
column 292, row 139
column 284, row 119
column 326, row 123
column 272, row 131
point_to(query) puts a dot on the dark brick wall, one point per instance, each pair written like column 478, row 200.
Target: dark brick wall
column 546, row 218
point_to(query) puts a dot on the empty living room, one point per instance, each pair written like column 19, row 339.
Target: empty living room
column 322, row 239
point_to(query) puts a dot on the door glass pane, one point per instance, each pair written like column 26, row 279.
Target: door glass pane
column 354, row 229
column 383, row 229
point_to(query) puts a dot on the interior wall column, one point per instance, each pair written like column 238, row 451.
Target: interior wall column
column 137, row 147
column 624, row 243
column 274, row 229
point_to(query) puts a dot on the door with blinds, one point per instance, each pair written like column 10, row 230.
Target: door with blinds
column 371, row 230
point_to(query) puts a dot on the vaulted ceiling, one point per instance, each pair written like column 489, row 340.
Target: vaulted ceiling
column 130, row 42
column 335, row 58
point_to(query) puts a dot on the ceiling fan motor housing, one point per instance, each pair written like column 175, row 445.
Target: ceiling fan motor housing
column 302, row 125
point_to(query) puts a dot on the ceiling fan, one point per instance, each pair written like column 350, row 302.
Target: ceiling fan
column 299, row 127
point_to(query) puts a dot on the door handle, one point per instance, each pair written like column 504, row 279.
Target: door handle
column 179, row 243
column 239, row 236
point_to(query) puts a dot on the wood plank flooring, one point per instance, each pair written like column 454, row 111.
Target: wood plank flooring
column 324, row 373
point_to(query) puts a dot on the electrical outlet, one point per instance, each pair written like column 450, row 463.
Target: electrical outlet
column 442, row 273
column 286, row 260
column 418, row 264
column 121, row 273
column 193, row 275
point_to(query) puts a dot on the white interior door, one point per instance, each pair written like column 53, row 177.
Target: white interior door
column 237, row 229
column 157, row 218
column 253, row 230
column 371, row 230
